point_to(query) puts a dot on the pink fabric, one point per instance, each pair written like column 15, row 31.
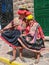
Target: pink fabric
column 19, row 28
column 40, row 33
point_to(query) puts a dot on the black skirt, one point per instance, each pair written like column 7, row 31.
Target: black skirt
column 11, row 36
column 36, row 46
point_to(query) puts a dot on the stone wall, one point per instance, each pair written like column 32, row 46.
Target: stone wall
column 18, row 3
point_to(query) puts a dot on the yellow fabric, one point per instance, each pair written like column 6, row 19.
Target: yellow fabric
column 29, row 17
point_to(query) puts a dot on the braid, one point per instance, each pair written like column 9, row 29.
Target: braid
column 12, row 24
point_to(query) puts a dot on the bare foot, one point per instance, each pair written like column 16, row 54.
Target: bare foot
column 22, row 59
column 12, row 60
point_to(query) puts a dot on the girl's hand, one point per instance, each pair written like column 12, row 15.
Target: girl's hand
column 22, row 35
column 1, row 31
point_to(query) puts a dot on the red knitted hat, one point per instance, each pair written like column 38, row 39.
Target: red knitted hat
column 28, row 13
column 21, row 12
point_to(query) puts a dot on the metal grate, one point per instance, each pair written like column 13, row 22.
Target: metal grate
column 6, row 12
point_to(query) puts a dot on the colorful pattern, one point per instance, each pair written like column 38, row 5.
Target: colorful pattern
column 40, row 33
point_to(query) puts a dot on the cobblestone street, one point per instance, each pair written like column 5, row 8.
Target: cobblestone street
column 6, row 51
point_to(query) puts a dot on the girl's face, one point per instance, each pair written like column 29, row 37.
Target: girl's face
column 31, row 22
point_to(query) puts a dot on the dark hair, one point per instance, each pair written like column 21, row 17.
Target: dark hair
column 23, row 9
column 24, row 19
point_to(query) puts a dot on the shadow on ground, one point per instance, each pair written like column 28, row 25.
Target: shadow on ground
column 26, row 53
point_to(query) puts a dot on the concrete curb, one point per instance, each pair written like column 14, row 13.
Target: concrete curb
column 47, row 38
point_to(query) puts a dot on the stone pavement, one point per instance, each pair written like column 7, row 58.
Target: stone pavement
column 6, row 51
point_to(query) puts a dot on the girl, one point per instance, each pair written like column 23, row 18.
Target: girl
column 34, row 39
column 13, row 30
